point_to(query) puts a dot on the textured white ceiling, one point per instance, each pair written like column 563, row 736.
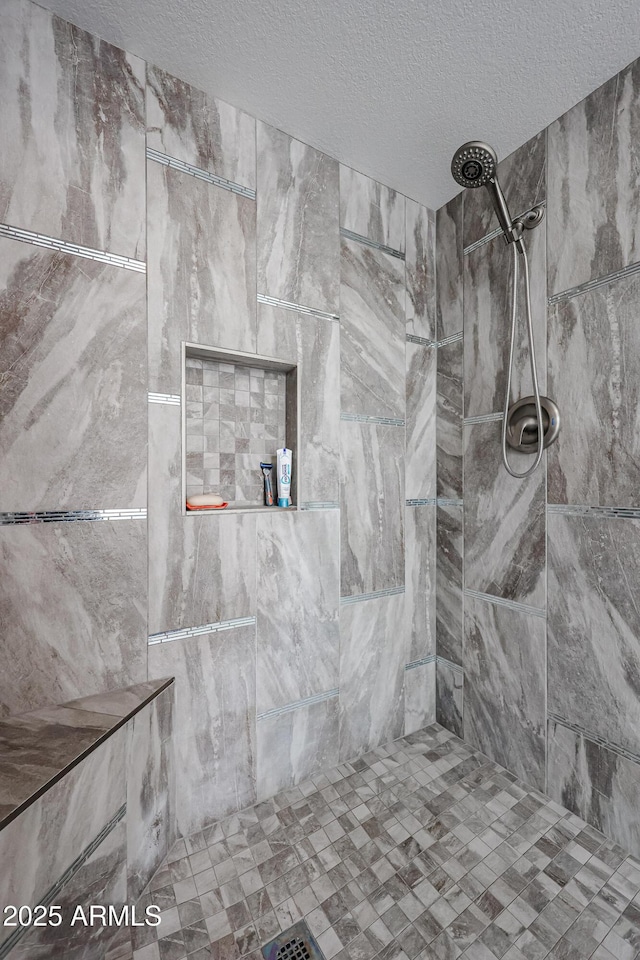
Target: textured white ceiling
column 390, row 87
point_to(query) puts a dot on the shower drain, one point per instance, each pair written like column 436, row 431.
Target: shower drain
column 296, row 943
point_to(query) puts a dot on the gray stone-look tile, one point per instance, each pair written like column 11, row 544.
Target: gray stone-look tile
column 449, row 697
column 201, row 271
column 504, row 705
column 214, row 722
column 420, row 572
column 594, row 626
column 372, row 658
column 488, row 285
column 298, row 222
column 420, row 267
column 449, row 583
column 294, row 746
column 371, row 210
column 597, row 784
column 449, row 266
column 313, row 344
column 419, row 697
column 594, row 377
column 522, row 178
column 504, row 521
column 421, row 421
column 185, row 123
column 372, row 507
column 298, row 563
column 449, row 421
column 202, row 568
column 372, row 345
column 594, row 192
column 73, row 602
column 73, row 417
column 72, row 115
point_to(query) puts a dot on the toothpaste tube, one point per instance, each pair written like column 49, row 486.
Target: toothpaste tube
column 268, row 486
column 284, row 477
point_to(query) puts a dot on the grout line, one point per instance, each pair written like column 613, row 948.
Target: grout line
column 74, row 249
column 350, row 235
column 200, row 174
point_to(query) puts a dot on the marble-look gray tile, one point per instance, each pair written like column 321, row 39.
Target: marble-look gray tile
column 420, row 467
column 202, row 568
column 294, row 746
column 73, row 602
column 504, row 521
column 449, row 388
column 449, row 697
column 214, row 722
column 420, row 268
column 594, row 625
column 150, row 791
column 185, row 123
column 372, row 507
column 372, row 345
column 449, row 268
column 505, row 679
column 419, row 697
column 594, row 377
column 597, row 784
column 372, row 658
column 420, row 573
column 488, row 284
column 72, row 115
column 73, row 417
column 371, row 210
column 522, row 178
column 201, row 271
column 298, row 563
column 313, row 344
column 449, row 583
column 594, row 193
column 298, row 222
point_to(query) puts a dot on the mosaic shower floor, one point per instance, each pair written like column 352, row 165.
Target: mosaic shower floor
column 421, row 849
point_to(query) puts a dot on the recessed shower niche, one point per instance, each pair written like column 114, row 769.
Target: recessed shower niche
column 238, row 410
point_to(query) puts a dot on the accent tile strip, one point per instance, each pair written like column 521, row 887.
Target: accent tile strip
column 70, row 516
column 52, row 893
column 297, row 307
column 485, row 418
column 320, row 505
column 420, row 663
column 454, row 338
column 446, row 502
column 428, row 501
column 451, row 665
column 74, row 249
column 607, row 744
column 423, row 341
column 350, row 235
column 363, row 418
column 173, row 398
column 512, row 604
column 200, row 174
column 389, row 592
column 290, row 707
column 168, row 635
column 497, row 232
column 596, row 282
column 579, row 510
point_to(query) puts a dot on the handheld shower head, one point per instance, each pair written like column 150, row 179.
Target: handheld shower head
column 474, row 164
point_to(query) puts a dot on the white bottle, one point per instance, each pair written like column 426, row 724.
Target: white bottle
column 284, row 477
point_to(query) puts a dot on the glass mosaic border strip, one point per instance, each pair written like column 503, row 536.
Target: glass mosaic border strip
column 74, row 249
column 484, row 418
column 52, row 893
column 358, row 598
column 594, row 738
column 70, row 516
column 450, row 665
column 454, row 338
column 447, row 502
column 364, row 418
column 297, row 704
column 320, row 505
column 200, row 174
column 173, row 398
column 350, row 235
column 420, row 663
column 427, row 502
column 423, row 341
column 572, row 292
column 580, row 510
column 168, row 635
column 511, row 604
column 297, row 307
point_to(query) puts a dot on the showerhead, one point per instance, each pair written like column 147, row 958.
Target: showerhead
column 474, row 164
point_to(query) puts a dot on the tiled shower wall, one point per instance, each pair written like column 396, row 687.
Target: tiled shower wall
column 296, row 638
column 538, row 625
